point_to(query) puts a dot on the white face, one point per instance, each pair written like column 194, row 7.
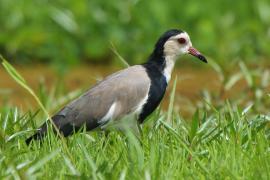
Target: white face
column 177, row 45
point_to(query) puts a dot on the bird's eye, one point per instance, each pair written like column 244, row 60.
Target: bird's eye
column 181, row 40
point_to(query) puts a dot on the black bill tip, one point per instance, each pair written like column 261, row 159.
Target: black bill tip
column 202, row 58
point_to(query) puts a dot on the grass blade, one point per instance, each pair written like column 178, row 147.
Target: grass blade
column 194, row 126
column 171, row 103
column 42, row 162
column 114, row 50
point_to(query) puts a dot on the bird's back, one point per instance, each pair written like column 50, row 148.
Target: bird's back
column 126, row 89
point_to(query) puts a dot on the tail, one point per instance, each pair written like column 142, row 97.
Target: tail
column 43, row 130
column 64, row 128
column 39, row 135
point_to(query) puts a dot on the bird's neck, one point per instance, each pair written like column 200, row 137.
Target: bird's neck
column 168, row 68
column 164, row 64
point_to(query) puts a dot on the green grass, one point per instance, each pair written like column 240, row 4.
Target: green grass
column 221, row 141
column 225, row 144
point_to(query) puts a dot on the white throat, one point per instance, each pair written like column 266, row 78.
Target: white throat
column 167, row 72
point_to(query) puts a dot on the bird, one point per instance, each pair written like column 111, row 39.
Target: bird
column 136, row 90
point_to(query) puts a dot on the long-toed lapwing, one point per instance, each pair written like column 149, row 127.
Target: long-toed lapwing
column 136, row 90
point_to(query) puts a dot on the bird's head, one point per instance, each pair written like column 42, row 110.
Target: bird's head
column 174, row 43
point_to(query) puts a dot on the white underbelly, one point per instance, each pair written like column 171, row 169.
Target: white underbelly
column 126, row 120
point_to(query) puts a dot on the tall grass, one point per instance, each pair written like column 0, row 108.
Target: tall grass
column 218, row 142
column 225, row 144
column 20, row 80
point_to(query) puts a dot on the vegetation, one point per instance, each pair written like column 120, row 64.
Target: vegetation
column 222, row 140
column 226, row 144
column 66, row 32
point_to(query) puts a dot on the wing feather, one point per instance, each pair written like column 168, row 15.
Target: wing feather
column 126, row 88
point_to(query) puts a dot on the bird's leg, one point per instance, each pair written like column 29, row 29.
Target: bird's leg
column 139, row 132
column 106, row 133
column 139, row 126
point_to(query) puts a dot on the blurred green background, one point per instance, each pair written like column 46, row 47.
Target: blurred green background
column 70, row 32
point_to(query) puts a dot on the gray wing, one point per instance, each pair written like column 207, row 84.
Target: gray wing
column 116, row 96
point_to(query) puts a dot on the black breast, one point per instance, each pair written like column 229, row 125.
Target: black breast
column 155, row 67
column 157, row 89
